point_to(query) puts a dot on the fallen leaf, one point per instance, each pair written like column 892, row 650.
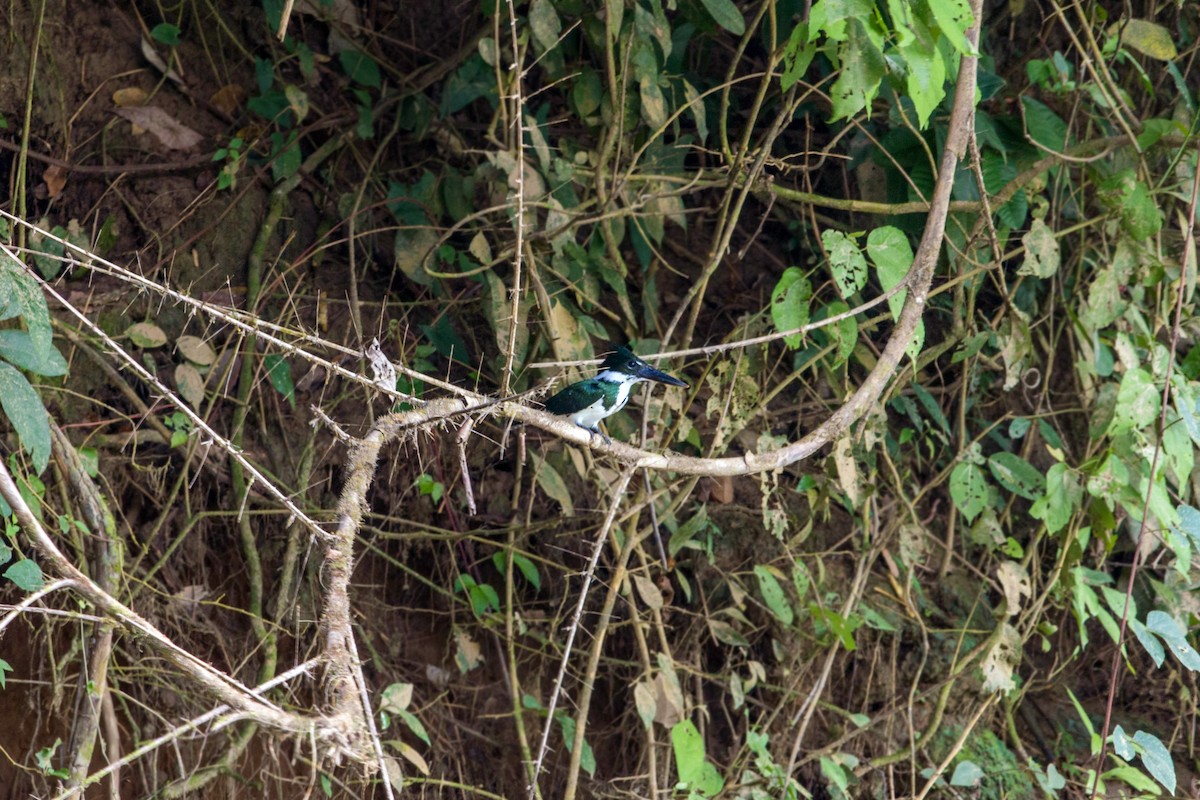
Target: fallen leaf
column 166, row 128
column 228, row 99
column 130, row 96
column 190, row 384
column 196, row 350
column 720, row 489
column 56, row 180
column 149, row 53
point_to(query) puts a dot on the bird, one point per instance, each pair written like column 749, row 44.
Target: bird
column 588, row 401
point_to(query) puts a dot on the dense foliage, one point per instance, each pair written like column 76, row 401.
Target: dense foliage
column 981, row 580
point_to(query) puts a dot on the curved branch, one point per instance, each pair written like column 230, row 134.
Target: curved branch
column 872, row 387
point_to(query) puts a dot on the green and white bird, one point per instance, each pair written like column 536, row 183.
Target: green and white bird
column 589, row 401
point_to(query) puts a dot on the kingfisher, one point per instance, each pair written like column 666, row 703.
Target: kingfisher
column 589, row 401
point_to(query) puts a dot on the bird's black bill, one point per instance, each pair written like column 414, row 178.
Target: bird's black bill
column 649, row 373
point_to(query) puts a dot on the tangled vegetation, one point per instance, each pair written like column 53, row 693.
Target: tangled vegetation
column 283, row 288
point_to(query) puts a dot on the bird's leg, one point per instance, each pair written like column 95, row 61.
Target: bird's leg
column 597, row 432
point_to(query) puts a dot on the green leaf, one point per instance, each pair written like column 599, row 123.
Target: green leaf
column 798, row 54
column 1174, row 634
column 968, row 490
column 414, row 725
column 1017, row 475
column 845, row 333
column 790, row 304
column 693, row 768
column 587, row 92
column 892, row 255
column 25, row 299
column 1157, row 759
column 360, row 68
column 773, row 595
column 27, row 414
column 587, row 758
column 726, row 14
column 967, row 773
column 846, row 262
column 522, row 563
column 1137, row 403
column 555, row 487
column 18, row 348
column 925, row 81
column 545, row 24
column 445, row 339
column 5, row 668
column 26, row 574
column 166, row 33
column 1043, row 125
column 953, row 17
column 146, row 335
column 1063, row 498
column 863, row 68
column 279, row 372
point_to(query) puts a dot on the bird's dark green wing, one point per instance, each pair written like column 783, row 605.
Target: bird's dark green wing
column 575, row 397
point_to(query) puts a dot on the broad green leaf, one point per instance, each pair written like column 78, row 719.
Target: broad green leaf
column 24, row 298
column 1063, row 498
column 27, row 414
column 696, row 107
column 1189, row 521
column 790, row 304
column 845, row 333
column 1139, row 213
column 953, row 17
column 360, row 68
column 413, row 724
column 587, row 759
column 798, row 54
column 545, row 24
column 694, row 769
column 555, row 487
column 968, row 490
column 863, row 68
column 1170, row 631
column 1137, row 403
column 925, row 78
column 196, row 350
column 587, row 92
column 26, row 574
column 1043, row 125
column 726, row 14
column 146, row 335
column 892, row 255
column 279, row 372
column 654, row 106
column 1017, row 475
column 1157, row 759
column 17, row 347
column 967, row 773
column 1150, row 643
column 773, row 595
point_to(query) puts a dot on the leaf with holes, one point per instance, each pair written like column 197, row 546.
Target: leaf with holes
column 846, row 262
column 1017, row 475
